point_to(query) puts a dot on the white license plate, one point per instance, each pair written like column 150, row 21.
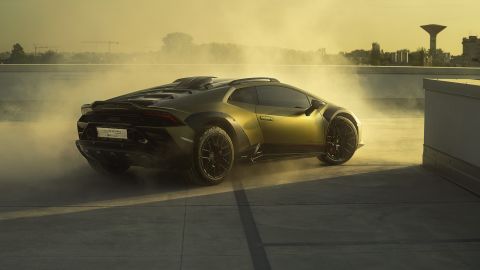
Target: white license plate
column 115, row 133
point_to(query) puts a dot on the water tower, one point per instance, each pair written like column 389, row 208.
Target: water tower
column 433, row 30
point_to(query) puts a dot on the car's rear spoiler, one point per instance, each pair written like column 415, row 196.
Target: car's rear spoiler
column 112, row 105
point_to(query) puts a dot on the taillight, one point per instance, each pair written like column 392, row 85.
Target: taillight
column 162, row 118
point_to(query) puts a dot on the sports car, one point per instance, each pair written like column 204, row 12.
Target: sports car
column 204, row 125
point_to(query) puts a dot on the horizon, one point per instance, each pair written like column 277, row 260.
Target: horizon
column 139, row 26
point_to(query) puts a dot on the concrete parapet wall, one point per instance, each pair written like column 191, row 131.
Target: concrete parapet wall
column 452, row 130
column 23, row 81
column 27, row 89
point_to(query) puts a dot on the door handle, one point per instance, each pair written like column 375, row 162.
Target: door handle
column 266, row 118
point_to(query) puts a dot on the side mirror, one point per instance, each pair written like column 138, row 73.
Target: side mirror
column 315, row 105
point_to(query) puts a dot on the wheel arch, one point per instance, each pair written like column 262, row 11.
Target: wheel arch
column 349, row 117
column 234, row 130
column 333, row 111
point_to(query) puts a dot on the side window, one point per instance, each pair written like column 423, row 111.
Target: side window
column 279, row 96
column 245, row 95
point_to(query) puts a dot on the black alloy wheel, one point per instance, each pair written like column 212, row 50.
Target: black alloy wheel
column 214, row 156
column 341, row 141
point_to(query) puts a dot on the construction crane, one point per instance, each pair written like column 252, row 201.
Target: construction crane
column 108, row 42
column 36, row 46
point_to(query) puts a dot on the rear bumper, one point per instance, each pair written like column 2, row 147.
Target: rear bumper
column 160, row 149
column 113, row 152
column 132, row 154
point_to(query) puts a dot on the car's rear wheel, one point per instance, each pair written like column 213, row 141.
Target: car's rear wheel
column 341, row 141
column 108, row 168
column 213, row 156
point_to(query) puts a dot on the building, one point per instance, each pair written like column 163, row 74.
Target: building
column 471, row 51
column 418, row 58
column 401, row 57
column 322, row 52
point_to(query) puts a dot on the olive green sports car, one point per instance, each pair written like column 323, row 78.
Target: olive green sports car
column 203, row 125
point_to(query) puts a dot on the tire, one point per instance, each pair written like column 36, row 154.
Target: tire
column 108, row 168
column 213, row 157
column 341, row 141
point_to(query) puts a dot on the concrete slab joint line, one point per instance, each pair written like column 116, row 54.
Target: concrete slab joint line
column 255, row 245
column 182, row 249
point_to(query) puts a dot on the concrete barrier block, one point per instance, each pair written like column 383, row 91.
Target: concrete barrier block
column 452, row 130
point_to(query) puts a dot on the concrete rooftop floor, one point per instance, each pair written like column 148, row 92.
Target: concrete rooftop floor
column 381, row 210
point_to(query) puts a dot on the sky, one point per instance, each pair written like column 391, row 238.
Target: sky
column 139, row 25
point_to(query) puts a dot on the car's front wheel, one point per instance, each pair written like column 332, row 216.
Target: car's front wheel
column 341, row 141
column 213, row 156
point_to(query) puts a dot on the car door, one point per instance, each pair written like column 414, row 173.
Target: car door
column 285, row 127
column 244, row 101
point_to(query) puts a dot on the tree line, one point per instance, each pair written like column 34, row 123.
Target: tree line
column 180, row 48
